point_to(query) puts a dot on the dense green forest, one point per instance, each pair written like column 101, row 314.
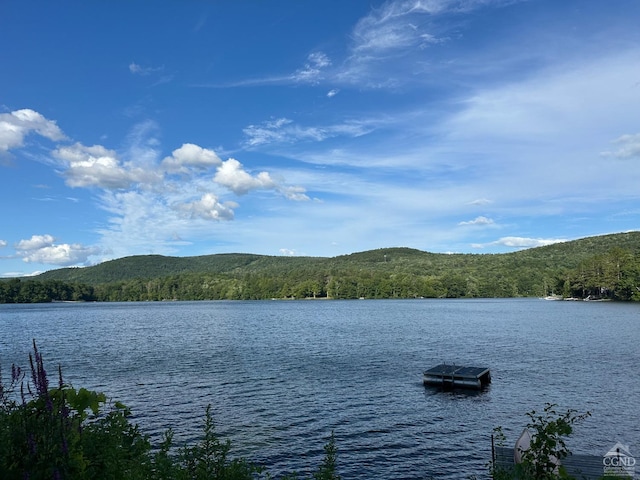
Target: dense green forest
column 603, row 267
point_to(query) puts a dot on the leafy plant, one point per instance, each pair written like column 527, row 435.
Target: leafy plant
column 542, row 460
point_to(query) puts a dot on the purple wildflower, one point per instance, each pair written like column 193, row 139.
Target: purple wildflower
column 38, row 373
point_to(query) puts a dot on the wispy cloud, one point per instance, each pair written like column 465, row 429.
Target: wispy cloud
column 137, row 69
column 313, row 68
column 629, row 147
column 285, row 131
column 520, row 242
column 479, row 221
column 480, row 202
column 394, row 37
column 395, row 26
column 390, row 38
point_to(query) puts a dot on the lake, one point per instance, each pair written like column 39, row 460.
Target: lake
column 281, row 375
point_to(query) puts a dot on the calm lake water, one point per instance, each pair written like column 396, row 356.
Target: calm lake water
column 281, row 375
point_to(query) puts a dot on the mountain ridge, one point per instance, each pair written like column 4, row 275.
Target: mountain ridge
column 562, row 255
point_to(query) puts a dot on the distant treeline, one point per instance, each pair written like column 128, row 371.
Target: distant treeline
column 23, row 290
column 614, row 275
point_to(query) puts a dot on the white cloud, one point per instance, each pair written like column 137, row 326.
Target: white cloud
column 629, row 147
column 208, row 208
column 97, row 166
column 388, row 45
column 333, row 92
column 480, row 202
column 288, row 252
column 42, row 249
column 392, row 26
column 312, row 70
column 481, row 220
column 232, row 176
column 520, row 242
column 284, row 131
column 270, row 131
column 3, row 243
column 16, row 125
column 400, row 23
column 137, row 69
column 35, row 242
column 190, row 155
column 294, row 193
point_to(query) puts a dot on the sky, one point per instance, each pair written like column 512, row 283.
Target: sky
column 313, row 128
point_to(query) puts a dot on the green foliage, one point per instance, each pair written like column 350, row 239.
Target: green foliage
column 16, row 290
column 63, row 433
column 548, row 441
column 209, row 459
column 327, row 470
column 542, row 461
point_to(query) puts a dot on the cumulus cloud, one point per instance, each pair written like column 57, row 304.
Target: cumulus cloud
column 153, row 202
column 18, row 124
column 35, row 242
column 520, row 242
column 232, row 176
column 481, row 220
column 42, row 249
column 190, row 156
column 97, row 166
column 209, row 208
column 629, row 147
column 333, row 92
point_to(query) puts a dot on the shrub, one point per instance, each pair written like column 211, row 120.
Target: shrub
column 541, row 461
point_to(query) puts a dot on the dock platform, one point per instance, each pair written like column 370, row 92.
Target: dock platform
column 455, row 376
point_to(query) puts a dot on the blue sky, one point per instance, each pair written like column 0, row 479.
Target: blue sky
column 313, row 128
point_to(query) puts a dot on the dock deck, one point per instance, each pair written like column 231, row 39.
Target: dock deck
column 455, row 376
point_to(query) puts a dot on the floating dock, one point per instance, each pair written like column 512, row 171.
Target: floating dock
column 455, row 376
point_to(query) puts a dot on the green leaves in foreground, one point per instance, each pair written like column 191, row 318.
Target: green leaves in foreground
column 541, row 461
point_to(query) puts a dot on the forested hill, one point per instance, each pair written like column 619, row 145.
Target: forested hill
column 599, row 267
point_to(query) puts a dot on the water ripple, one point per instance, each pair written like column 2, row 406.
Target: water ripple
column 280, row 376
